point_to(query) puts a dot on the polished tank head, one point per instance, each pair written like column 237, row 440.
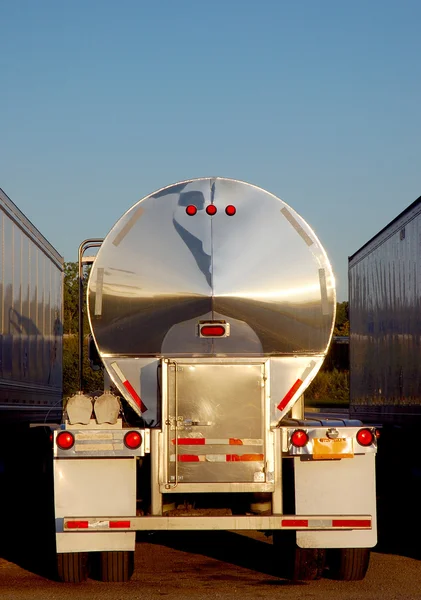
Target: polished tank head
column 215, row 251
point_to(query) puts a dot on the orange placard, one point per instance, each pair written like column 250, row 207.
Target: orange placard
column 328, row 449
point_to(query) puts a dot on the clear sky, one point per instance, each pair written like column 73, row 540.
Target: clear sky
column 317, row 101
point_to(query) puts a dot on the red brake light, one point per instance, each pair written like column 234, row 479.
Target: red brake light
column 65, row 440
column 133, row 440
column 230, row 210
column 211, row 209
column 191, row 210
column 212, row 331
column 299, row 438
column 365, row 437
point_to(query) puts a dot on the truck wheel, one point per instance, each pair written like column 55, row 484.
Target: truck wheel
column 72, row 567
column 116, row 566
column 297, row 564
column 349, row 564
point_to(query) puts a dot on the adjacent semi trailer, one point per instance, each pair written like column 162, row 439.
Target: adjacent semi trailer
column 385, row 323
column 31, row 274
column 211, row 304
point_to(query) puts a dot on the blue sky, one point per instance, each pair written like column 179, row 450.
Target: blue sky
column 103, row 102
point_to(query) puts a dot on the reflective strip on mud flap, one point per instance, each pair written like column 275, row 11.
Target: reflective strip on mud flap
column 218, row 458
column 291, row 393
column 129, row 387
column 343, row 523
column 97, row 525
column 198, row 441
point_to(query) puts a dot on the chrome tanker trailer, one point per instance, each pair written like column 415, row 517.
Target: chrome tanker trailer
column 211, row 304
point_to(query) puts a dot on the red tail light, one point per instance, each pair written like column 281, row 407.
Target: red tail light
column 230, row 210
column 365, row 437
column 211, row 209
column 191, row 210
column 65, row 440
column 299, row 438
column 133, row 440
column 212, row 331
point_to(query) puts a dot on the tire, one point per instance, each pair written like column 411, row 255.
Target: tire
column 72, row 567
column 116, row 566
column 349, row 564
column 294, row 563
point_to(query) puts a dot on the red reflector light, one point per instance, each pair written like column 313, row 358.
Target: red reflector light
column 133, row 440
column 212, row 330
column 299, row 438
column 65, row 440
column 211, row 209
column 77, row 525
column 365, row 437
column 119, row 524
column 191, row 210
column 230, row 210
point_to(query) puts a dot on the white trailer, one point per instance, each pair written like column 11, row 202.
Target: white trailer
column 211, row 303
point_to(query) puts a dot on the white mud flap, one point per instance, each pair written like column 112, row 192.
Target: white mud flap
column 336, row 487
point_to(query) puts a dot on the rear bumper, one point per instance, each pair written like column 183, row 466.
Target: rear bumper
column 71, row 525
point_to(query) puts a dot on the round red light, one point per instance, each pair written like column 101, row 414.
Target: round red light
column 365, row 437
column 191, row 210
column 230, row 210
column 133, row 440
column 65, row 440
column 211, row 209
column 299, row 438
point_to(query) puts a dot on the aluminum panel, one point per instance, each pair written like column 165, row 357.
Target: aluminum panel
column 216, row 418
column 30, row 364
column 385, row 321
column 143, row 374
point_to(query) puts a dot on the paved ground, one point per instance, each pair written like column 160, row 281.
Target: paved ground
column 214, row 565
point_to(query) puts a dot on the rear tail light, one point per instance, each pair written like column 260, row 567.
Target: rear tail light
column 365, row 437
column 211, row 209
column 214, row 329
column 230, row 210
column 65, row 440
column 133, row 440
column 191, row 210
column 299, row 438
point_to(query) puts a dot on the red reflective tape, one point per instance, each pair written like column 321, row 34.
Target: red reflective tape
column 244, row 457
column 290, row 394
column 188, row 458
column 135, row 396
column 351, row 522
column 119, row 524
column 189, row 441
column 294, row 523
column 235, row 442
column 77, row 525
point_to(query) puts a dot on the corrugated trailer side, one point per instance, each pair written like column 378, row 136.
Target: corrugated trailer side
column 385, row 323
column 31, row 315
